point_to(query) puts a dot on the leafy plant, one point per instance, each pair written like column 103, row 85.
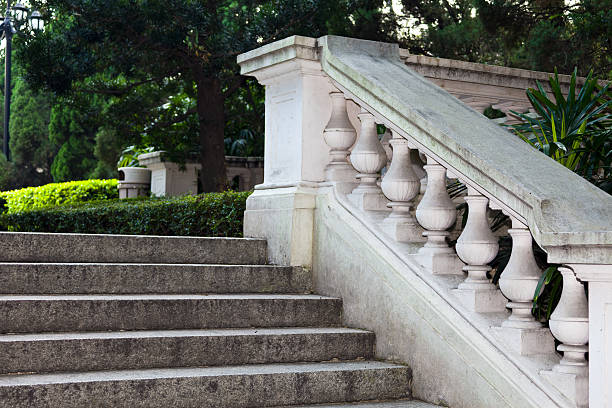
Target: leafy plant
column 547, row 293
column 246, row 145
column 574, row 130
column 129, row 156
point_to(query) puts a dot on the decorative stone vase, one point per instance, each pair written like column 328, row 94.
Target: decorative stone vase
column 133, row 182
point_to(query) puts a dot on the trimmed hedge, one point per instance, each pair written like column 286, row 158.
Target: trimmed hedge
column 210, row 215
column 53, row 194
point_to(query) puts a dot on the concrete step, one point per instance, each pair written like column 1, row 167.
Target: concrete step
column 86, row 278
column 179, row 348
column 227, row 386
column 374, row 404
column 57, row 313
column 94, row 248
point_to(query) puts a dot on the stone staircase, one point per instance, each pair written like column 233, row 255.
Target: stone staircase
column 131, row 321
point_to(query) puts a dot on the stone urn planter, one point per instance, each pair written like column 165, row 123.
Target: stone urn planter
column 134, row 182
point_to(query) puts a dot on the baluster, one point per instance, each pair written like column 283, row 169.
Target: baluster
column 569, row 323
column 368, row 158
column 401, row 185
column 477, row 246
column 339, row 134
column 436, row 213
column 518, row 283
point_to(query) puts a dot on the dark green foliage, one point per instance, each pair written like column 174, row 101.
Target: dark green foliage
column 3, row 206
column 7, row 173
column 492, row 113
column 210, row 215
column 167, row 69
column 73, row 127
column 530, row 34
column 547, row 293
column 53, row 194
column 129, row 156
column 244, row 128
column 31, row 151
column 575, row 131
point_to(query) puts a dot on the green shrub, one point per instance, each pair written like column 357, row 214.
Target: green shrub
column 53, row 194
column 2, row 205
column 211, row 215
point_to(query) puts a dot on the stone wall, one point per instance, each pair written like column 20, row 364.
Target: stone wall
column 481, row 85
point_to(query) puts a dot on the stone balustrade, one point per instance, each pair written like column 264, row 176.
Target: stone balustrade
column 424, row 122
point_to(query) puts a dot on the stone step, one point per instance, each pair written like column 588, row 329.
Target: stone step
column 374, row 404
column 227, row 386
column 57, row 313
column 179, row 348
column 85, row 278
column 97, row 248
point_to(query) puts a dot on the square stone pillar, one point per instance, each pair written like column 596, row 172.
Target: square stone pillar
column 298, row 107
column 167, row 178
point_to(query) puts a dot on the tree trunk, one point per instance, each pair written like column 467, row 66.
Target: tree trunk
column 212, row 122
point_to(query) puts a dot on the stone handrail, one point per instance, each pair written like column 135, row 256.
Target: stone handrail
column 575, row 227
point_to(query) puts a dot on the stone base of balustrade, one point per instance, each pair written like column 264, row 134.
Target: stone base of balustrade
column 440, row 261
column 403, row 229
column 340, row 172
column 527, row 341
column 481, row 300
column 575, row 387
column 368, row 200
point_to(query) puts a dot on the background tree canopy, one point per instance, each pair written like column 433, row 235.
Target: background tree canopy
column 114, row 73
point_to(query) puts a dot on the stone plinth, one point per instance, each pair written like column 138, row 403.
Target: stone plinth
column 167, row 178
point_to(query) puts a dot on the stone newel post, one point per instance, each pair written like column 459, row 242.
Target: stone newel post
column 298, row 108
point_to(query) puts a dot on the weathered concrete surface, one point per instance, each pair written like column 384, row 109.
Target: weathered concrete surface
column 92, row 248
column 453, row 363
column 568, row 216
column 379, row 404
column 30, row 314
column 230, row 386
column 66, row 278
column 179, row 348
column 284, row 217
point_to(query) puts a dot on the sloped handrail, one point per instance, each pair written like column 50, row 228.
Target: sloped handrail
column 568, row 217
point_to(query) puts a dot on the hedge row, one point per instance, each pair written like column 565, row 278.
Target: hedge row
column 211, row 215
column 53, row 194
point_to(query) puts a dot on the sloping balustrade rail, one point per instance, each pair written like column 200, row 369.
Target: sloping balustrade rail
column 432, row 131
